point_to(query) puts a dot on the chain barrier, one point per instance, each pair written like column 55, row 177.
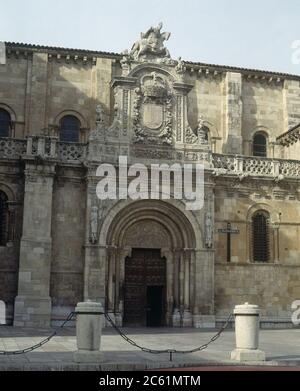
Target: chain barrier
column 169, row 351
column 43, row 342
column 124, row 336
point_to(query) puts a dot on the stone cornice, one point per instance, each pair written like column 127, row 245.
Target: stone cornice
column 193, row 67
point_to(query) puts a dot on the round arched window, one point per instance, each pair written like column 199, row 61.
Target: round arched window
column 260, row 145
column 260, row 237
column 5, row 123
column 69, row 129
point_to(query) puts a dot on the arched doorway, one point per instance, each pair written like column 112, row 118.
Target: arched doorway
column 145, row 288
column 150, row 264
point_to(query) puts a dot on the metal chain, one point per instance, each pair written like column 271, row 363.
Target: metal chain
column 170, row 351
column 124, row 336
column 43, row 342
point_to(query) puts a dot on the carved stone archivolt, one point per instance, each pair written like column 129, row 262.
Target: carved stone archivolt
column 147, row 233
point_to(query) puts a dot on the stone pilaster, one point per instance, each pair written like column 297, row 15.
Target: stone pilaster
column 181, row 113
column 204, row 289
column 232, row 113
column 94, row 273
column 38, row 95
column 291, row 109
column 33, row 303
column 95, row 254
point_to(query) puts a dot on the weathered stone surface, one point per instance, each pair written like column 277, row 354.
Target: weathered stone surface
column 88, row 332
column 150, row 111
column 247, row 333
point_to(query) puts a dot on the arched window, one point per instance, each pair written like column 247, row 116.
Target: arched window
column 69, row 129
column 260, row 145
column 5, row 123
column 260, row 236
column 3, row 219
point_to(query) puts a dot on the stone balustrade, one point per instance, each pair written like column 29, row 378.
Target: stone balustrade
column 242, row 166
column 43, row 147
column 245, row 166
column 71, row 151
column 12, row 148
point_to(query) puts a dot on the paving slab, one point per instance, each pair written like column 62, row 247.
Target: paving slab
column 282, row 348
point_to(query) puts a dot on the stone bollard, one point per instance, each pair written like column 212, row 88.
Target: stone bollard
column 88, row 332
column 247, row 334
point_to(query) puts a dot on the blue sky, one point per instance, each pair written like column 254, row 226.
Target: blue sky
column 252, row 34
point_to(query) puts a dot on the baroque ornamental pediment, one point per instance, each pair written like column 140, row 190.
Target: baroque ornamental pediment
column 150, row 104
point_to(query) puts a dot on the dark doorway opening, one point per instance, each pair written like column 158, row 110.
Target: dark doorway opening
column 155, row 301
column 144, row 296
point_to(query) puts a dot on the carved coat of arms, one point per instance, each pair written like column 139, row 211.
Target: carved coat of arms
column 153, row 110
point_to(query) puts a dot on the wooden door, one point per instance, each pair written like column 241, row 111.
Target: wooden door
column 144, row 269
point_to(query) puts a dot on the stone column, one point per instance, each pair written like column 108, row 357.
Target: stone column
column 168, row 254
column 33, row 303
column 122, row 254
column 176, row 318
column 111, row 268
column 187, row 317
column 181, row 283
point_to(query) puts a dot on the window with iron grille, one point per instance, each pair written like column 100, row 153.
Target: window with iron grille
column 3, row 219
column 69, row 129
column 260, row 145
column 5, row 123
column 260, row 237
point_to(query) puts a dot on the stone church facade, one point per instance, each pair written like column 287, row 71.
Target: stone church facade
column 152, row 262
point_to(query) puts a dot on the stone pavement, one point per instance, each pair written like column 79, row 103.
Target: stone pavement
column 282, row 348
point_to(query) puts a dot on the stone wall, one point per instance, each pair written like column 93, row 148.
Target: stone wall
column 262, row 111
column 38, row 88
column 272, row 287
column 58, row 267
column 237, row 206
column 206, row 99
column 13, row 91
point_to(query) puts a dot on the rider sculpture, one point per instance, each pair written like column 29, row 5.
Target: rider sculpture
column 151, row 44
